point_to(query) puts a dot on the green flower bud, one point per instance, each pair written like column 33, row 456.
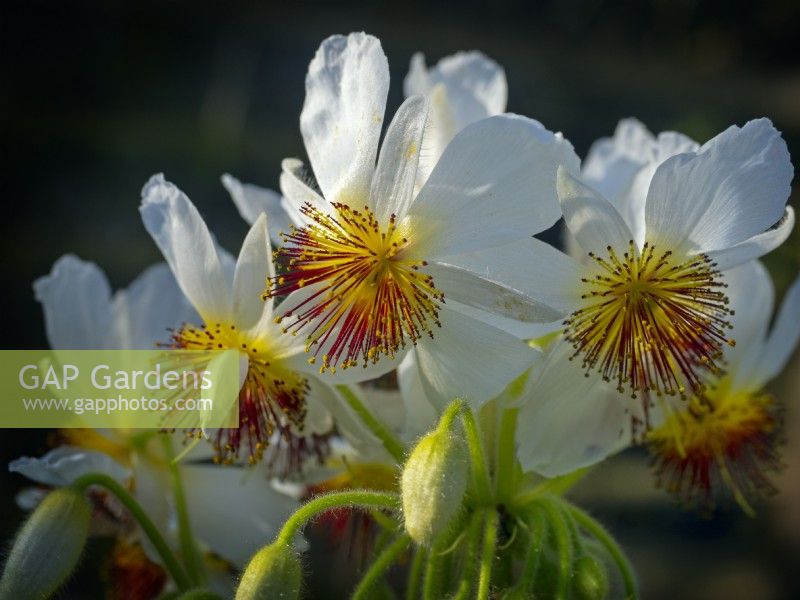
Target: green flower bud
column 434, row 481
column 48, row 547
column 590, row 580
column 274, row 573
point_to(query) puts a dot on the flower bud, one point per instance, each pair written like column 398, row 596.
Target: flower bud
column 434, row 481
column 590, row 580
column 48, row 547
column 274, row 573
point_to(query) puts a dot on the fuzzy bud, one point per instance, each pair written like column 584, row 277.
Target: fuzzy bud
column 434, row 481
column 48, row 547
column 274, row 573
column 590, row 580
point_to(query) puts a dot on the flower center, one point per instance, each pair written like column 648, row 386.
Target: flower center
column 651, row 322
column 272, row 399
column 368, row 300
column 721, row 438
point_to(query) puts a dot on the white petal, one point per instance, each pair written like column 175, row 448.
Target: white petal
column 591, row 218
column 476, row 85
column 298, row 191
column 420, row 415
column 148, row 308
column 252, row 200
column 569, row 420
column 253, row 268
column 417, row 82
column 234, row 511
column 65, row 464
column 494, row 183
column 534, row 268
column 351, row 426
column 320, row 398
column 393, row 184
column 612, row 163
column 469, row 359
column 519, row 329
column 783, row 336
column 464, row 286
column 735, row 187
column 751, row 296
column 756, row 246
column 179, row 231
column 76, row 299
column 346, row 89
column 463, row 88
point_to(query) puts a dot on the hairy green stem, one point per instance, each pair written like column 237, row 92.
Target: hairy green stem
column 349, row 499
column 192, row 558
column 534, row 553
column 468, row 574
column 563, row 541
column 506, row 455
column 487, row 555
column 477, row 455
column 611, row 546
column 415, row 574
column 172, row 565
column 382, row 563
column 434, row 570
column 378, row 429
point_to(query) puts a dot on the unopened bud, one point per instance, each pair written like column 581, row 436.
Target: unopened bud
column 434, row 481
column 274, row 573
column 591, row 580
column 48, row 547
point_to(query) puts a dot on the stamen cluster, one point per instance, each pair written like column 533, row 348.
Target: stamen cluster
column 650, row 322
column 365, row 299
column 272, row 398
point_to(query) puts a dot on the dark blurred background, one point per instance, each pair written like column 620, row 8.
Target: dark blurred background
column 96, row 97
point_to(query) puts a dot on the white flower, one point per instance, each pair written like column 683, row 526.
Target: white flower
column 233, row 512
column 80, row 312
column 462, row 88
column 281, row 399
column 370, row 264
column 727, row 436
column 649, row 311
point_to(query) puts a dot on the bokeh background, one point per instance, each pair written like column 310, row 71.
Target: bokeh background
column 96, row 97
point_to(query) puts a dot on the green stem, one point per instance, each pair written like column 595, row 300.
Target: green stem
column 192, row 559
column 470, row 557
column 506, row 460
column 434, row 570
column 611, row 546
column 477, row 455
column 378, row 429
column 382, row 563
column 170, row 562
column 487, row 555
column 535, row 547
column 563, row 545
column 350, row 499
column 415, row 574
column 556, row 486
